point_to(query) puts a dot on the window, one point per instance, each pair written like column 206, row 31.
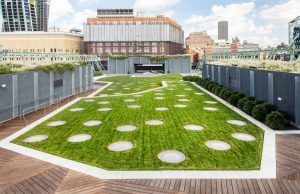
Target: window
column 115, row 49
column 146, row 49
column 154, row 49
column 123, row 49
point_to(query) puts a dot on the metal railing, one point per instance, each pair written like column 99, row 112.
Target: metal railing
column 21, row 110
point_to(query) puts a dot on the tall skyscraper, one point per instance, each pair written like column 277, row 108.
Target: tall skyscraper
column 43, row 14
column 24, row 15
column 294, row 28
column 223, row 30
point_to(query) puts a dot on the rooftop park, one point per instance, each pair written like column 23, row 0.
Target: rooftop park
column 178, row 127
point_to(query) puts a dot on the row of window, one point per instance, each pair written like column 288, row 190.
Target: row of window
column 124, row 50
column 125, row 44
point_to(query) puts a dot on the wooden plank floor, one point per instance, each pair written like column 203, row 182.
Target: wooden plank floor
column 22, row 174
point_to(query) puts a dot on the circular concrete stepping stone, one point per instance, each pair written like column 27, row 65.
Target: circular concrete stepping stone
column 104, row 109
column 161, row 109
column 210, row 109
column 103, row 95
column 134, row 106
column 92, row 123
column 218, row 145
column 171, row 156
column 180, row 95
column 126, row 128
column 158, row 90
column 90, row 100
column 129, row 100
column 158, row 94
column 118, row 93
column 76, row 109
column 183, row 100
column 180, row 106
column 35, row 138
column 236, row 122
column 193, row 127
column 104, row 102
column 243, row 137
column 154, row 122
column 56, row 123
column 171, row 89
column 188, row 89
column 159, row 98
column 79, row 138
column 210, row 102
column 120, row 146
column 199, row 94
column 137, row 89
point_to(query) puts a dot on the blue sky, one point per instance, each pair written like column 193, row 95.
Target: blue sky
column 260, row 21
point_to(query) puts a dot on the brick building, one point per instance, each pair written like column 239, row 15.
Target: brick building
column 121, row 32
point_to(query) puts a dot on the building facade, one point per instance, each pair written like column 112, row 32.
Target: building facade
column 42, row 42
column 293, row 25
column 120, row 32
column 43, row 14
column 223, row 30
column 196, row 43
column 24, row 15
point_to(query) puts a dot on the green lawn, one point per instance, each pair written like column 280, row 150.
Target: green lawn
column 128, row 85
column 149, row 141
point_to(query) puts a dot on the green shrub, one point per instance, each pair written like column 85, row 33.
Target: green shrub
column 210, row 86
column 251, row 98
column 248, row 107
column 98, row 73
column 275, row 120
column 233, row 99
column 241, row 103
column 227, row 94
column 269, row 107
column 217, row 90
column 241, row 95
column 5, row 70
column 222, row 91
column 259, row 112
column 259, row 101
column 56, row 67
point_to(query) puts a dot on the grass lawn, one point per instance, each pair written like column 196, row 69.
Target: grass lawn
column 127, row 84
column 148, row 140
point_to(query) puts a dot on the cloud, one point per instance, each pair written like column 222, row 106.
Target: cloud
column 241, row 18
column 282, row 13
column 59, row 9
column 79, row 19
column 154, row 4
column 169, row 13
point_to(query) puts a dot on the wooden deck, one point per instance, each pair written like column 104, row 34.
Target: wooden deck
column 22, row 174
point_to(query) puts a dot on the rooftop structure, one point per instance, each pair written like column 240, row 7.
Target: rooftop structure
column 115, row 13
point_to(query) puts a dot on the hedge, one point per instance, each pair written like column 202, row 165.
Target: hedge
column 256, row 108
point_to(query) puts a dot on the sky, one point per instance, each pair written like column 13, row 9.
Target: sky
column 259, row 21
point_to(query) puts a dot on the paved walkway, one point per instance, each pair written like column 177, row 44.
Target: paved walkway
column 22, row 174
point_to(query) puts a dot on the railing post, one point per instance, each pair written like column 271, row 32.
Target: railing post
column 297, row 101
